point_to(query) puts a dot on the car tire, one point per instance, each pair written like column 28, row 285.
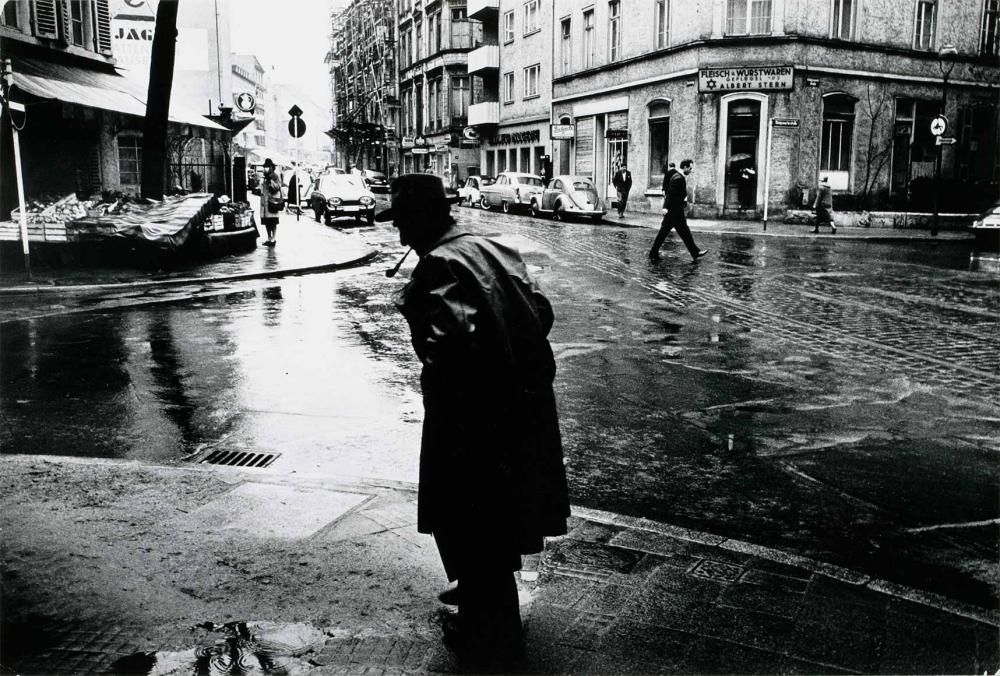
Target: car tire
column 484, row 203
column 505, row 206
column 557, row 212
column 328, row 219
column 535, row 213
column 370, row 218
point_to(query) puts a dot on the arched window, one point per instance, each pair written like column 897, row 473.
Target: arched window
column 659, row 140
column 837, row 149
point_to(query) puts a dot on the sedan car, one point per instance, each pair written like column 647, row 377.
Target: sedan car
column 987, row 228
column 470, row 192
column 510, row 190
column 376, row 180
column 569, row 196
column 342, row 195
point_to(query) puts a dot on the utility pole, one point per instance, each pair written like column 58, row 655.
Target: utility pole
column 6, row 82
column 161, row 77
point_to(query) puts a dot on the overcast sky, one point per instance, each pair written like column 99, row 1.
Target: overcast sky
column 293, row 36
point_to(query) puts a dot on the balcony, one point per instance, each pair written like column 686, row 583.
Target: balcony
column 485, row 57
column 482, row 9
column 487, row 112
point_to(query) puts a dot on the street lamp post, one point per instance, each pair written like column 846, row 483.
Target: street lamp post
column 945, row 51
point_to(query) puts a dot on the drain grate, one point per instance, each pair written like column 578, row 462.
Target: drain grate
column 240, row 459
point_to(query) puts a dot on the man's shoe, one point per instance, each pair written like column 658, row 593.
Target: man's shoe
column 449, row 597
column 833, row 229
column 815, row 231
column 654, row 255
column 699, row 254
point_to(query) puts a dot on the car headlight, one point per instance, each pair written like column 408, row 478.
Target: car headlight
column 367, row 201
column 335, row 201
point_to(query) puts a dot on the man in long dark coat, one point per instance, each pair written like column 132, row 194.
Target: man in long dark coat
column 492, row 482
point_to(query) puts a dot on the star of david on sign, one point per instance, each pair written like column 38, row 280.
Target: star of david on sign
column 711, row 84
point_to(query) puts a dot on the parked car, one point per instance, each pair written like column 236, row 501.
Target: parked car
column 341, row 195
column 569, row 196
column 511, row 189
column 376, row 180
column 987, row 228
column 470, row 192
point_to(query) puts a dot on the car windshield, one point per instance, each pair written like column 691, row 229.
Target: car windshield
column 529, row 180
column 340, row 182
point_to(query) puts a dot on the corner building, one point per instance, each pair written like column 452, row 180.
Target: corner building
column 512, row 72
column 845, row 88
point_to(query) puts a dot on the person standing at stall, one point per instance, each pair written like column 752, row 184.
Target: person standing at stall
column 271, row 201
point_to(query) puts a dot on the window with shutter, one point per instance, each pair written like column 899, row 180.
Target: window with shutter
column 103, row 23
column 46, row 18
column 65, row 22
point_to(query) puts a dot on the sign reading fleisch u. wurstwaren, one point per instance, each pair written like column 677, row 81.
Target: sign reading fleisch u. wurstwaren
column 746, row 78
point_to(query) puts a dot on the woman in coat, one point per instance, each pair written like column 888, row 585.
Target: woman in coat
column 270, row 190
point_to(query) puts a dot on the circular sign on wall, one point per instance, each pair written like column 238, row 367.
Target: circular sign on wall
column 246, row 102
column 939, row 125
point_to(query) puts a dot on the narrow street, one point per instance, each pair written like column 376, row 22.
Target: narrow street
column 835, row 399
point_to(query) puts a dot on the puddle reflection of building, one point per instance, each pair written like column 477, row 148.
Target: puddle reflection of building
column 272, row 304
column 737, row 279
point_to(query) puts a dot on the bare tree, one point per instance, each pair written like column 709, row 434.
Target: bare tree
column 877, row 150
column 161, row 75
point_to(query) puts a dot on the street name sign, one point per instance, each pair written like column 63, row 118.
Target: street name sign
column 785, row 122
column 746, row 78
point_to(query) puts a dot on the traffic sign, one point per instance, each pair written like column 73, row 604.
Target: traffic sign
column 296, row 127
column 944, row 140
column 939, row 125
column 295, row 111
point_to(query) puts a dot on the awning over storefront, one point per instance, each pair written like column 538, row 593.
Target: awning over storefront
column 93, row 89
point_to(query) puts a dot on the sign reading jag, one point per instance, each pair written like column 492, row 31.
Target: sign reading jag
column 746, row 78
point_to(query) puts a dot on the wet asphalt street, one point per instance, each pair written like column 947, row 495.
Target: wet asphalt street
column 832, row 398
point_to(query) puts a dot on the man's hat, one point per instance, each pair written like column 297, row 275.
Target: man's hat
column 421, row 194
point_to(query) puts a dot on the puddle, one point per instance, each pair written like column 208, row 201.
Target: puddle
column 232, row 648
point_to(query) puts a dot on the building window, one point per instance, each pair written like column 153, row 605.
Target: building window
column 460, row 96
column 76, row 23
column 531, row 81
column 433, row 104
column 588, row 39
column 614, row 30
column 989, row 42
column 659, row 141
column 508, row 27
column 566, row 47
column 531, row 17
column 842, row 20
column 434, row 33
column 748, row 17
column 837, row 146
column 419, row 40
column 508, row 87
column 661, row 23
column 923, row 32
column 130, row 160
column 9, row 15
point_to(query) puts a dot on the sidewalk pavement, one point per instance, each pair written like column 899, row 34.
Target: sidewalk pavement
column 304, row 246
column 120, row 567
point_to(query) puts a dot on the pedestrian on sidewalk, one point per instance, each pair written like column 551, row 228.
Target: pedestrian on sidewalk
column 271, row 201
column 492, row 483
column 674, row 204
column 824, row 206
column 622, row 181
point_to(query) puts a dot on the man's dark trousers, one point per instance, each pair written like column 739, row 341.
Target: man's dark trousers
column 671, row 221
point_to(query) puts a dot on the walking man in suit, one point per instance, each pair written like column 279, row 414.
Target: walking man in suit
column 622, row 181
column 674, row 203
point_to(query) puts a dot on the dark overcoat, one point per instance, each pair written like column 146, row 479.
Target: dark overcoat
column 492, row 481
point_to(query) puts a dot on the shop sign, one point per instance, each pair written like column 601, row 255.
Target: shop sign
column 785, row 122
column 466, row 143
column 616, row 134
column 420, row 151
column 406, row 142
column 516, row 137
column 470, row 133
column 561, row 132
column 420, row 142
column 746, row 78
column 442, row 147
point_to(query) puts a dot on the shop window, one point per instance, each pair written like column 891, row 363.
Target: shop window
column 989, row 40
column 659, row 141
column 130, row 159
column 530, row 17
column 531, row 81
column 616, row 139
column 566, row 46
column 508, row 27
column 748, row 17
column 923, row 32
column 913, row 151
column 661, row 23
column 588, row 39
column 842, row 20
column 614, row 30
column 508, row 88
column 524, row 161
column 837, row 146
column 585, row 146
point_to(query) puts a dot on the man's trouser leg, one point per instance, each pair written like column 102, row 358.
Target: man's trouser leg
column 685, row 233
column 489, row 614
column 665, row 227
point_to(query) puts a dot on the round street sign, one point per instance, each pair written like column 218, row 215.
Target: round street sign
column 939, row 125
column 296, row 127
column 471, row 133
column 245, row 102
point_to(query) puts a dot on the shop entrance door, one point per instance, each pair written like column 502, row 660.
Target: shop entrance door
column 741, row 172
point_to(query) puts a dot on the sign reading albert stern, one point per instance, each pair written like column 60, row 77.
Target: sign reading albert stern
column 746, row 78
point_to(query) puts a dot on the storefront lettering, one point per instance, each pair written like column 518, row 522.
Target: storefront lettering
column 748, row 78
column 515, row 137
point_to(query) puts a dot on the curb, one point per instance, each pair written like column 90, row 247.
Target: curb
column 182, row 281
column 360, row 484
